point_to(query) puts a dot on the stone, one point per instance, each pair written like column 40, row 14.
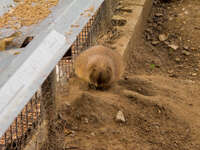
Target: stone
column 186, row 47
column 194, row 74
column 148, row 30
column 155, row 42
column 86, row 120
column 162, row 37
column 120, row 117
column 173, row 46
column 92, row 134
column 186, row 53
column 186, row 12
column 177, row 59
column 170, row 71
column 158, row 14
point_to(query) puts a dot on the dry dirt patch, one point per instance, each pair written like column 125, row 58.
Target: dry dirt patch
column 163, row 119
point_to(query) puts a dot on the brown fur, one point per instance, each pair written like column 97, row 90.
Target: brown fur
column 99, row 66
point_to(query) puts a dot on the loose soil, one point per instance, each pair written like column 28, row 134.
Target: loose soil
column 159, row 94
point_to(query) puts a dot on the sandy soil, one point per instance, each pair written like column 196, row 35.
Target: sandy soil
column 159, row 97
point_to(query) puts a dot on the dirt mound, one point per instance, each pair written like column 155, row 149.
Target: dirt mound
column 87, row 119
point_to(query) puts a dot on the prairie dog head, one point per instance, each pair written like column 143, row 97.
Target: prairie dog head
column 100, row 75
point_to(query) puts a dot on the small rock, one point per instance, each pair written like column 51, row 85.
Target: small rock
column 173, row 46
column 119, row 7
column 170, row 18
column 120, row 117
column 86, row 120
column 186, row 53
column 194, row 74
column 155, row 42
column 167, row 43
column 149, row 31
column 92, row 134
column 162, row 37
column 158, row 14
column 186, row 12
column 171, row 71
column 178, row 59
column 186, row 47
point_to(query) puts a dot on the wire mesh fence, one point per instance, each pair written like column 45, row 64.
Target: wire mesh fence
column 22, row 129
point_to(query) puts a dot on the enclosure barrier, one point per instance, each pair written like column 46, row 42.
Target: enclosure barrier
column 22, row 122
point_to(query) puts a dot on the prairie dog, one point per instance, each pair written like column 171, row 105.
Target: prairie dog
column 99, row 66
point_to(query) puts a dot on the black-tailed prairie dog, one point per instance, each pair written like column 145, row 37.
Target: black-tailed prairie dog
column 99, row 66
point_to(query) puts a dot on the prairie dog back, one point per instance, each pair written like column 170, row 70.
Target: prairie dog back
column 99, row 66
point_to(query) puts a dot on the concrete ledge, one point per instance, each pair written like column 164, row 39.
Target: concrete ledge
column 134, row 26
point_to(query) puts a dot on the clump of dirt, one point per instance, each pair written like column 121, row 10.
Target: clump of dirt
column 86, row 119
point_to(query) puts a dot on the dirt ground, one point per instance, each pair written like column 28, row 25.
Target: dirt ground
column 177, row 53
column 158, row 100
